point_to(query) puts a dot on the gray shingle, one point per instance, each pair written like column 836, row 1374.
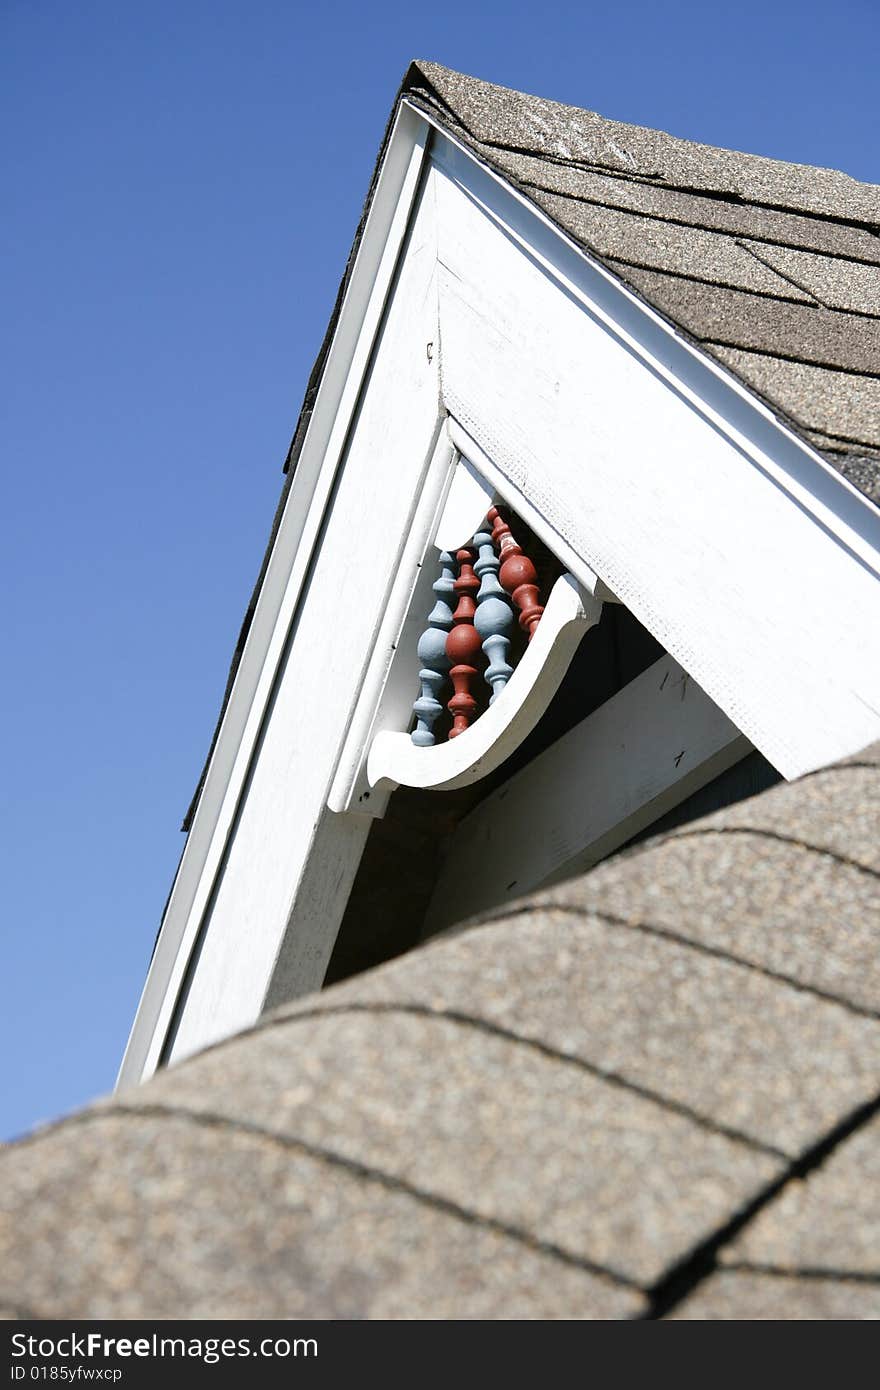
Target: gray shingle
column 838, row 284
column 646, row 241
column 742, row 1051
column 635, row 194
column 497, row 115
column 804, row 333
column 800, row 915
column 866, row 757
column 836, row 810
column 838, row 404
column 386, row 1161
column 743, row 1296
column 733, row 884
column 829, row 1223
column 161, row 1217
column 475, row 1119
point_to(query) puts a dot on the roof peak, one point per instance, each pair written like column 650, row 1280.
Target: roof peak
column 497, row 116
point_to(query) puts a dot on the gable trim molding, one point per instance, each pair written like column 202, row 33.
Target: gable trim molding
column 648, row 464
column 357, row 329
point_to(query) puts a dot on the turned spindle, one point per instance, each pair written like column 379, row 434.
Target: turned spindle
column 463, row 645
column 494, row 617
column 432, row 656
column 517, row 574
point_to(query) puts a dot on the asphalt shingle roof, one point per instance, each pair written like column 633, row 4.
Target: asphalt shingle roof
column 651, row 1091
column 773, row 268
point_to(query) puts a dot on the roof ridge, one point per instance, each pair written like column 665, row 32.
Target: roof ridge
column 444, row 80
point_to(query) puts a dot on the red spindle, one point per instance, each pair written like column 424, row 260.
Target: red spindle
column 463, row 645
column 517, row 574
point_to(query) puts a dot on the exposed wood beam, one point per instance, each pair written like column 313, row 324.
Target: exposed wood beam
column 641, row 753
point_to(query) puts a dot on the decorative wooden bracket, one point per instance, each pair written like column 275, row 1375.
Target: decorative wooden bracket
column 394, row 760
column 461, row 552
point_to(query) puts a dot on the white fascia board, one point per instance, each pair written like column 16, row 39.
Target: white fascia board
column 752, row 561
column 358, row 324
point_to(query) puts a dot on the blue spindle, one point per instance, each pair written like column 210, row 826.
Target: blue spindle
column 432, row 655
column 494, row 618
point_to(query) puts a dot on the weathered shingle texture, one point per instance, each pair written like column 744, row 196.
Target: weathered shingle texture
column 773, row 268
column 650, row 1091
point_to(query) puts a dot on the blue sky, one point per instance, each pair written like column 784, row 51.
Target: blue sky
column 181, row 185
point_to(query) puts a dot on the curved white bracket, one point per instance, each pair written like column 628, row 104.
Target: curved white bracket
column 395, row 761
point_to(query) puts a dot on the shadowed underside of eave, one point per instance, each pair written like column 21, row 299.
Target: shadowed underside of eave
column 773, row 268
column 649, row 1091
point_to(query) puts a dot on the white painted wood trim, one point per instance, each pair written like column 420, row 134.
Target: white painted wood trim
column 502, row 486
column 647, row 748
column 359, row 321
column 389, row 687
column 289, row 865
column 704, row 382
column 741, row 550
column 395, row 761
column 464, row 511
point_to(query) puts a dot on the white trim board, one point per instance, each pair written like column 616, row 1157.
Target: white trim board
column 385, row 696
column 359, row 322
column 640, row 754
column 733, row 541
column 395, row 761
column 268, row 882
